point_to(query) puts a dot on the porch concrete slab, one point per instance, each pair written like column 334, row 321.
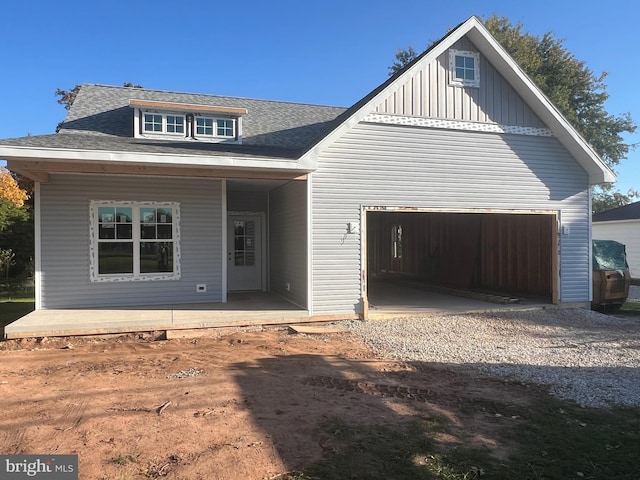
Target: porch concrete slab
column 241, row 310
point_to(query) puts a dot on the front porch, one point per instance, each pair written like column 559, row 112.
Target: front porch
column 388, row 300
column 241, row 309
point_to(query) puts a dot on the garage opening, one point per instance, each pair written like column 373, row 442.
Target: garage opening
column 507, row 257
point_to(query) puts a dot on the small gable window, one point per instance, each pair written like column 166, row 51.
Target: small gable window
column 464, row 68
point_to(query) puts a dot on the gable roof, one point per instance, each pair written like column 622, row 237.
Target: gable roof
column 626, row 212
column 100, row 124
column 478, row 34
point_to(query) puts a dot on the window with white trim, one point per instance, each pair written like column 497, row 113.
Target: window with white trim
column 163, row 123
column 215, row 127
column 464, row 68
column 134, row 241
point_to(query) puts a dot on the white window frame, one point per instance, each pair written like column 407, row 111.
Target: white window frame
column 94, row 274
column 164, row 131
column 165, row 121
column 461, row 82
column 215, row 120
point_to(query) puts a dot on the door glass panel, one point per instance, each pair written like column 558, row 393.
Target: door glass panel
column 244, row 243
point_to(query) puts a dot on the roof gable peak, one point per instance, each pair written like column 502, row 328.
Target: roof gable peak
column 488, row 47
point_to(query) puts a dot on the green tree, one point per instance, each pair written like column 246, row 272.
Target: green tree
column 403, row 58
column 7, row 260
column 573, row 88
column 16, row 222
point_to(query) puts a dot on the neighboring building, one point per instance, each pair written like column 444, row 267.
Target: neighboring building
column 456, row 171
column 623, row 225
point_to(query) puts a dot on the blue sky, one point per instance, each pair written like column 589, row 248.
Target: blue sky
column 331, row 52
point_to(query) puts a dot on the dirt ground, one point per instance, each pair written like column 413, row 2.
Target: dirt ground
column 246, row 405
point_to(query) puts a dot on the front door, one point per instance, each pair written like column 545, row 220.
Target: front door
column 244, row 255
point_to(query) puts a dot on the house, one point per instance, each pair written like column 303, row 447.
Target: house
column 456, row 172
column 623, row 225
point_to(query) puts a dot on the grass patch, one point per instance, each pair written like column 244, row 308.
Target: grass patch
column 550, row 440
column 123, row 459
column 408, row 451
column 16, row 300
column 14, row 309
column 561, row 440
column 629, row 308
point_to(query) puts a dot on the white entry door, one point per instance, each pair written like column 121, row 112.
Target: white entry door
column 244, row 252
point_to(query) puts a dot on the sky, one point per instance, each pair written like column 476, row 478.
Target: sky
column 330, row 52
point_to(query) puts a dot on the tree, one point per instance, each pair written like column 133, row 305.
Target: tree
column 573, row 88
column 10, row 190
column 403, row 58
column 16, row 224
column 7, row 260
column 67, row 97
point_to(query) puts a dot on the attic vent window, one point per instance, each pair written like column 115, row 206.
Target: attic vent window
column 464, row 68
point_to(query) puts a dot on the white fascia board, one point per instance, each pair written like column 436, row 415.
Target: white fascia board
column 164, row 159
column 566, row 134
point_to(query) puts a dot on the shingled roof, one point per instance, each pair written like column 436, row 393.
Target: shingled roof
column 626, row 212
column 101, row 119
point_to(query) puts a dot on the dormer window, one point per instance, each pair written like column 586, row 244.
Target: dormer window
column 187, row 122
column 464, row 68
column 215, row 127
column 159, row 123
column 175, row 123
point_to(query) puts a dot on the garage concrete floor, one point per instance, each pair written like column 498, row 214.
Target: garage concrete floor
column 388, row 298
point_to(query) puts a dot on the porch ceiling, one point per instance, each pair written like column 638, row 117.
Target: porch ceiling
column 39, row 170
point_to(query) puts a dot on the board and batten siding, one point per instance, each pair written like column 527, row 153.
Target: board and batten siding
column 288, row 241
column 378, row 165
column 626, row 232
column 65, row 241
column 428, row 94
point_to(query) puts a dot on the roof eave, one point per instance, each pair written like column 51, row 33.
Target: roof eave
column 33, row 161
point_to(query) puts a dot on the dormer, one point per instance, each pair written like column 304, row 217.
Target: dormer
column 187, row 122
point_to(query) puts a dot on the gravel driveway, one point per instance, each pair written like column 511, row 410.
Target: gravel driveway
column 585, row 356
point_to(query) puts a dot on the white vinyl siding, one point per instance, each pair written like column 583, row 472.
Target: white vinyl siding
column 401, row 166
column 65, row 202
column 288, row 241
column 428, row 93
